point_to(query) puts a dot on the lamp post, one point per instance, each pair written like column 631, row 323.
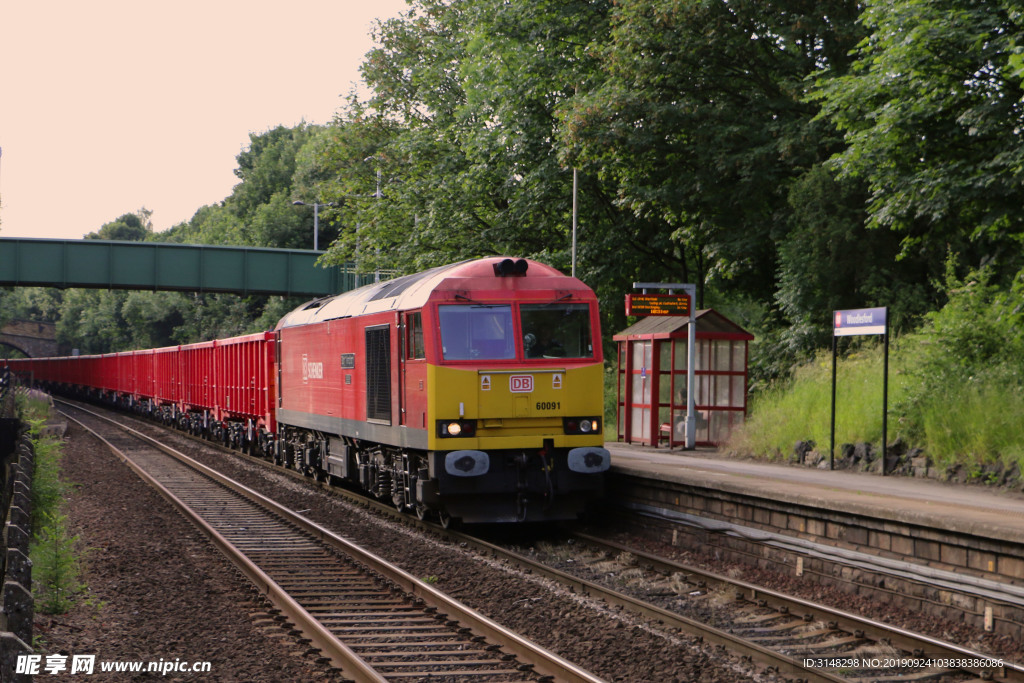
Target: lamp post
column 316, row 220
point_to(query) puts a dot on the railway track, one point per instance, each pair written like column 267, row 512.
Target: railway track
column 367, row 617
column 796, row 638
column 817, row 640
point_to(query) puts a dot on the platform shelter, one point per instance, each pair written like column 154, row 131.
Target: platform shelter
column 652, row 364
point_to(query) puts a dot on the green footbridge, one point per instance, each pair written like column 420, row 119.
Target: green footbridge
column 102, row 264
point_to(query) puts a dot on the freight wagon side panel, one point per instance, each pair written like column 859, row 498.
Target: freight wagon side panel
column 165, row 374
column 244, row 368
column 144, row 374
column 197, row 376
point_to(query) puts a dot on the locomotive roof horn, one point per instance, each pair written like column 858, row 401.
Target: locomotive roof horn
column 508, row 267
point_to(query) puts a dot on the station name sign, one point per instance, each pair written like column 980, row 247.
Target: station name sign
column 658, row 304
column 859, row 321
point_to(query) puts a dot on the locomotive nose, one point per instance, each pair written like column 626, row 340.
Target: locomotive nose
column 589, row 460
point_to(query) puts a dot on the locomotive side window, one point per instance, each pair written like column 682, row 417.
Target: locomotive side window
column 556, row 330
column 414, row 343
column 477, row 332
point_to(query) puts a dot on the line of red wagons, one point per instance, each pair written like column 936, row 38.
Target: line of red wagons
column 225, row 383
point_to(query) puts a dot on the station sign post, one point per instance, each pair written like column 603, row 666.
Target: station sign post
column 673, row 304
column 860, row 321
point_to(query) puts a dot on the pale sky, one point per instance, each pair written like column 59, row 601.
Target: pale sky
column 107, row 106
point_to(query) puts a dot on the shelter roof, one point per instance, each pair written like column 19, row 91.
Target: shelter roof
column 710, row 325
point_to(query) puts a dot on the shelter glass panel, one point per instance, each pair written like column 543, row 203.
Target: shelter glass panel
column 641, row 424
column 739, row 356
column 722, row 355
column 722, row 390
column 665, row 388
column 641, row 390
column 680, row 362
column 738, row 391
column 703, row 355
column 641, row 355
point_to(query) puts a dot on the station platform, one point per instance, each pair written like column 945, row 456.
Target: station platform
column 948, row 550
column 970, row 509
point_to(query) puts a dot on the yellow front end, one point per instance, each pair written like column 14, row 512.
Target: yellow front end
column 517, row 409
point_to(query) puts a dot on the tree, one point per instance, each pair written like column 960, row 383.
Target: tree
column 129, row 227
column 700, row 125
column 934, row 125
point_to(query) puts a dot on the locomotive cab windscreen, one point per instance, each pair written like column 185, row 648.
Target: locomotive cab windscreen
column 487, row 331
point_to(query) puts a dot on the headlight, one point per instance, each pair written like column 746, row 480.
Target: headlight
column 447, row 429
column 581, row 425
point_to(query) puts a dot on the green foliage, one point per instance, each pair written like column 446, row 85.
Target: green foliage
column 700, row 125
column 799, row 409
column 955, row 386
column 973, row 348
column 130, row 227
column 56, row 572
column 55, row 566
column 932, row 117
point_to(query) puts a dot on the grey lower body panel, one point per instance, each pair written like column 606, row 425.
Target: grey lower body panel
column 403, row 437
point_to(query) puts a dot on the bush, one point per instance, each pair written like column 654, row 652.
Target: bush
column 956, row 386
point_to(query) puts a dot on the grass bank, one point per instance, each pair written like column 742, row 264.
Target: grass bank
column 56, row 569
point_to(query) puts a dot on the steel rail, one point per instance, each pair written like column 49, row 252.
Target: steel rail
column 544, row 662
column 765, row 656
column 876, row 630
column 337, row 652
column 906, row 640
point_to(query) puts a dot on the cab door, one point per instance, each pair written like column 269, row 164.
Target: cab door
column 412, row 372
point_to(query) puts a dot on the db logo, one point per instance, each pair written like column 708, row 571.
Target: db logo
column 520, row 384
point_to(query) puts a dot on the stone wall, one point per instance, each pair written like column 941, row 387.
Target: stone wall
column 16, row 604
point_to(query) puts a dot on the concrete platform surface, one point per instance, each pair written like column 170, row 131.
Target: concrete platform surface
column 972, row 509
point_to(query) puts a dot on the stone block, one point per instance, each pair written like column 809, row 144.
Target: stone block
column 982, row 561
column 1010, row 566
column 779, row 520
column 19, row 567
column 880, row 540
column 18, row 608
column 816, row 527
column 10, row 647
column 903, row 545
column 929, row 550
column 856, row 535
column 953, row 555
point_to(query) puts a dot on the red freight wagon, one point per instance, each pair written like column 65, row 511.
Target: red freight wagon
column 124, row 384
column 165, row 375
column 244, row 368
column 197, row 379
column 142, row 372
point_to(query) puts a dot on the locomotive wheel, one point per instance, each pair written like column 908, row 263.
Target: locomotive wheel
column 421, row 512
column 444, row 518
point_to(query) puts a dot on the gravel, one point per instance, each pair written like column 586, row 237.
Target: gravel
column 159, row 590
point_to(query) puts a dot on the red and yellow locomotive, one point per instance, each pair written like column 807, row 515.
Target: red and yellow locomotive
column 473, row 390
